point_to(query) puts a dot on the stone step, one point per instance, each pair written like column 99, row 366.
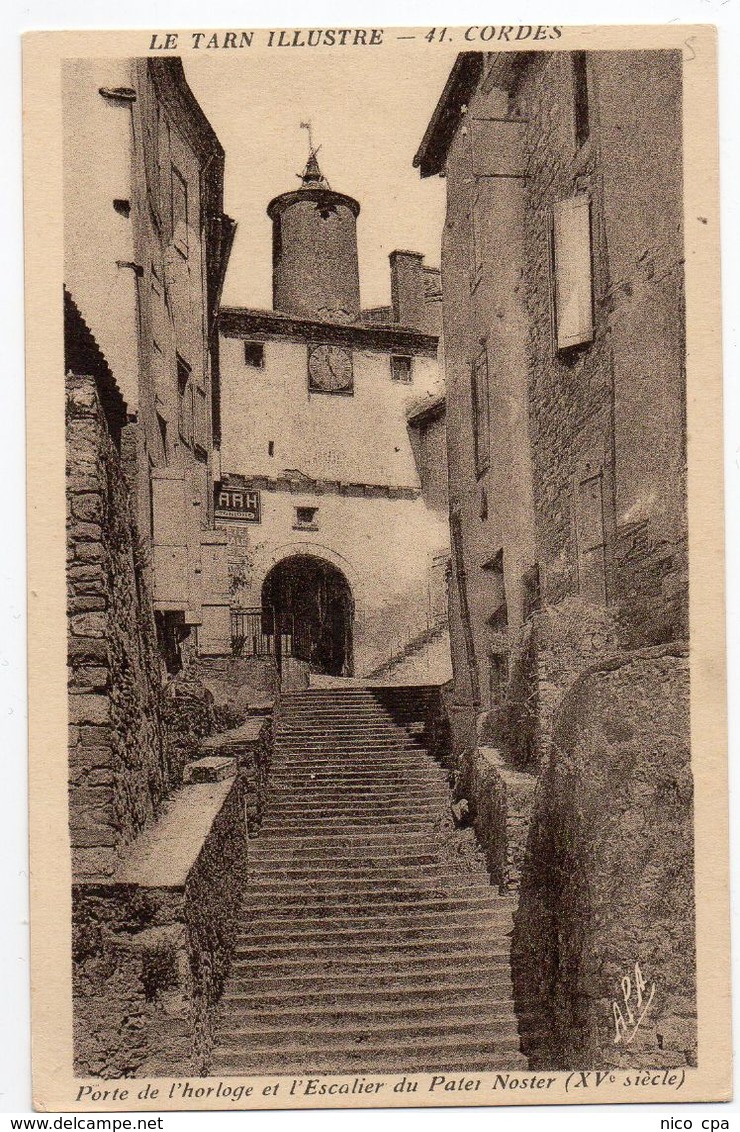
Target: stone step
column 308, row 746
column 349, row 776
column 228, row 1064
column 338, row 902
column 395, row 936
column 397, row 809
column 377, row 953
column 374, row 788
column 408, row 918
column 238, row 1034
column 322, row 758
column 301, row 877
column 345, row 1006
column 394, row 985
column 338, row 1055
column 316, row 826
column 343, row 864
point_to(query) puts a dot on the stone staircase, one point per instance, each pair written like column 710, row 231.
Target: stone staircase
column 371, row 938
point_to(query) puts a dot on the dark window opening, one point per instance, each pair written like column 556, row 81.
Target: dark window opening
column 498, row 619
column 254, row 354
column 306, row 517
column 401, row 368
column 270, row 447
column 580, row 97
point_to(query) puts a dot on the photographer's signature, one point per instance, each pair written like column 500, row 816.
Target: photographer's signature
column 629, row 1011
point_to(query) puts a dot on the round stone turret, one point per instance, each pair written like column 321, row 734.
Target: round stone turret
column 315, row 270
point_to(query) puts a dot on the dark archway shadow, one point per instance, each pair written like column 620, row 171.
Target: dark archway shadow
column 307, row 607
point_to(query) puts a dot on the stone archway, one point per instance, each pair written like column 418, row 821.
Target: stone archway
column 308, row 605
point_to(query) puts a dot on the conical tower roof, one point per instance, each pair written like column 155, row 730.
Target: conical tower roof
column 312, row 176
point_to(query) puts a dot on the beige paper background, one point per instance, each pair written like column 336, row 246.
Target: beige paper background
column 55, row 1087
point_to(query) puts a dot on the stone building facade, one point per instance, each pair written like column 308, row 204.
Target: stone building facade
column 146, row 249
column 337, row 555
column 564, row 336
column 564, row 333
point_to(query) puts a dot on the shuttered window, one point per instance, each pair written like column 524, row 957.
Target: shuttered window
column 572, row 275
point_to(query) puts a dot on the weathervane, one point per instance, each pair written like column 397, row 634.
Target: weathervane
column 312, row 173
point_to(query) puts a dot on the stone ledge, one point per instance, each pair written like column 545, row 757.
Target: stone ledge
column 210, row 768
column 164, row 855
column 226, row 741
column 264, row 706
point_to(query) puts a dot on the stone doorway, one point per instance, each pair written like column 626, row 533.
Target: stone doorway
column 308, row 603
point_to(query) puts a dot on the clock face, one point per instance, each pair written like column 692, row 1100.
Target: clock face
column 330, row 369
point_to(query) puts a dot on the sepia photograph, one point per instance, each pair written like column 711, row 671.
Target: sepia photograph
column 380, row 661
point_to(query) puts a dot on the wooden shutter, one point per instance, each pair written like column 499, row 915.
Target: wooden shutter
column 574, row 322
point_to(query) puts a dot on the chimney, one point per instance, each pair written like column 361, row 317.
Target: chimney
column 407, row 289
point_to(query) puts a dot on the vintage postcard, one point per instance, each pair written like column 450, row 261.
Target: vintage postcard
column 377, row 659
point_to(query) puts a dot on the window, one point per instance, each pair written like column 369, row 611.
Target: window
column 580, row 97
column 572, row 284
column 401, row 368
column 179, row 212
column 254, row 354
column 498, row 618
column 305, row 519
column 184, row 402
column 481, row 413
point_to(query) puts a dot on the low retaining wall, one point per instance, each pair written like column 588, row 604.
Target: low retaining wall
column 152, row 949
column 604, row 933
column 500, row 798
column 251, row 745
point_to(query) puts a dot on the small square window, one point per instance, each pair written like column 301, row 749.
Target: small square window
column 305, row 518
column 254, row 354
column 401, row 368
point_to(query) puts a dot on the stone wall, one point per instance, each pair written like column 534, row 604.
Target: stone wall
column 150, row 957
column 119, row 769
column 608, row 877
column 500, row 799
column 614, row 407
column 239, row 685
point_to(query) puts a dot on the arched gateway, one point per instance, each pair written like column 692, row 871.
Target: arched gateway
column 308, row 609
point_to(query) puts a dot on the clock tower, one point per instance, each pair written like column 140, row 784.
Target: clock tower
column 314, row 250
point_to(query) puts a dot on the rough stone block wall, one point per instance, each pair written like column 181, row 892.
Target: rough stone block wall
column 237, row 683
column 616, row 404
column 608, row 878
column 119, row 772
column 149, row 963
column 254, row 766
column 500, row 799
